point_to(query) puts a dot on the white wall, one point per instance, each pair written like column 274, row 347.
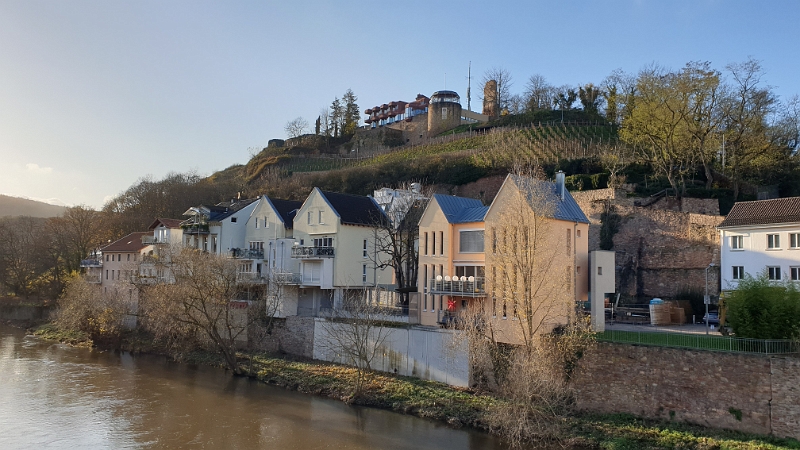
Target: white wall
column 417, row 352
column 754, row 256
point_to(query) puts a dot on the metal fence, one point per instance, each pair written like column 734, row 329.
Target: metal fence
column 702, row 342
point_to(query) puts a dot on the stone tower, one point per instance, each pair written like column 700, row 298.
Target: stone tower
column 491, row 107
column 444, row 112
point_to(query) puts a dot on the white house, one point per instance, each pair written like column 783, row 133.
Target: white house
column 219, row 228
column 761, row 237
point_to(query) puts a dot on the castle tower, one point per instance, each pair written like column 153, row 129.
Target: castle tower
column 444, row 112
column 491, row 107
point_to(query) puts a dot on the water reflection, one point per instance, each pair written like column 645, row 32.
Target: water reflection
column 56, row 396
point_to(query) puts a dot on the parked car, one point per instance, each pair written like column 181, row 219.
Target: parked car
column 711, row 318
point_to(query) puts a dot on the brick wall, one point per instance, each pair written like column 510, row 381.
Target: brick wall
column 705, row 388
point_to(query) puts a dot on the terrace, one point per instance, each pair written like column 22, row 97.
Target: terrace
column 312, row 252
column 458, row 286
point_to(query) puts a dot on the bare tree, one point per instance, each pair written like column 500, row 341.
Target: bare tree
column 203, row 305
column 355, row 334
column 296, row 128
column 87, row 308
column 538, row 94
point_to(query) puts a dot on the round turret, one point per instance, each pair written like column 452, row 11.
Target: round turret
column 444, row 112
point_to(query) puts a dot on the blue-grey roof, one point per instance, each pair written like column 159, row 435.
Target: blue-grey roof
column 460, row 209
column 566, row 209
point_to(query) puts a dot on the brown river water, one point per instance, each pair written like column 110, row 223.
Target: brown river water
column 54, row 396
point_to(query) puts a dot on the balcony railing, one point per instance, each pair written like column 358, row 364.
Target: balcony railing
column 312, row 252
column 461, row 286
column 153, row 240
column 250, row 277
column 147, row 279
column 91, row 263
column 247, row 253
column 195, row 228
column 286, row 278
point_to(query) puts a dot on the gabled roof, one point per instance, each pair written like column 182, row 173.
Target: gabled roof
column 461, row 209
column 566, row 209
column 354, row 209
column 167, row 223
column 220, row 211
column 286, row 210
column 763, row 212
column 129, row 243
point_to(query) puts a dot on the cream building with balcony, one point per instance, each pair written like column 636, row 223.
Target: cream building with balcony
column 334, row 244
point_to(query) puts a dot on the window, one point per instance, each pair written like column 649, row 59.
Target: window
column 738, row 272
column 106, row 269
column 321, row 220
column 494, row 240
column 433, row 247
column 470, row 241
column 323, row 242
column 737, row 242
column 364, row 273
column 266, row 222
column 256, row 222
column 426, row 244
column 569, row 241
column 441, row 243
column 794, row 240
column 773, row 241
column 309, row 217
column 233, row 219
column 129, row 256
column 364, row 249
column 577, row 233
column 774, row 273
column 106, row 258
column 794, row 273
column 444, row 113
column 599, row 270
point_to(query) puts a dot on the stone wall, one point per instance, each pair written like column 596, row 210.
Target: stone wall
column 659, row 252
column 750, row 393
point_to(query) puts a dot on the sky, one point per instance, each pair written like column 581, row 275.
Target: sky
column 96, row 94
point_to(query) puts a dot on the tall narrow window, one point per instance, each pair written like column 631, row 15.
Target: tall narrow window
column 773, row 241
column 321, row 219
column 569, row 241
column 441, row 243
column 426, row 244
column 364, row 249
column 309, row 217
column 434, row 244
column 364, row 273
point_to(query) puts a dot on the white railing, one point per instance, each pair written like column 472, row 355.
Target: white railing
column 463, row 286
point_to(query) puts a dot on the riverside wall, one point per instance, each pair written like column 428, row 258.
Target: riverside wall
column 743, row 392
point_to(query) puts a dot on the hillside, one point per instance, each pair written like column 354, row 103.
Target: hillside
column 16, row 206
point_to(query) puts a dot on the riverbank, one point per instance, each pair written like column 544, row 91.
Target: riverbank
column 457, row 407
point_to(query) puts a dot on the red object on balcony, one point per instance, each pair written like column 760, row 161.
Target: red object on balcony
column 451, row 305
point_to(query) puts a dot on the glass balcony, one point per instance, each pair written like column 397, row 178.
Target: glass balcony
column 92, row 263
column 247, row 253
column 458, row 286
column 312, row 252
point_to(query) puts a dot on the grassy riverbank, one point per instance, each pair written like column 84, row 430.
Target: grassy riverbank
column 457, row 407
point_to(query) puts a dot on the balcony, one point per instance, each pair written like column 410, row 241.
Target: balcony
column 195, row 228
column 91, row 263
column 287, row 278
column 458, row 286
column 247, row 253
column 312, row 252
column 250, row 278
column 147, row 279
column 153, row 240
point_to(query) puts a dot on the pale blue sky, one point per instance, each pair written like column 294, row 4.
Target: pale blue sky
column 96, row 94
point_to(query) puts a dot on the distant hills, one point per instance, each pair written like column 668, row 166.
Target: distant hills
column 15, row 206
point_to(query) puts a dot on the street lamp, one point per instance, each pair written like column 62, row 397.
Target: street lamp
column 707, row 298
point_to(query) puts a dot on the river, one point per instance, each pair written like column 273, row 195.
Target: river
column 54, row 396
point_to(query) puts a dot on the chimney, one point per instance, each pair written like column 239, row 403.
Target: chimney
column 560, row 184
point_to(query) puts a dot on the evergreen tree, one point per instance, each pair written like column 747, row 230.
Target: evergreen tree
column 352, row 116
column 337, row 117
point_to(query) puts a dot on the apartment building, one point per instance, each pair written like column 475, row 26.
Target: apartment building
column 218, row 228
column 760, row 237
column 487, row 254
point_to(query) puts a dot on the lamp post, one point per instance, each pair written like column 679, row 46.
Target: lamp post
column 707, row 298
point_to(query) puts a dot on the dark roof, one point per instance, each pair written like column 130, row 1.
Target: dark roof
column 168, row 223
column 566, row 209
column 129, row 243
column 763, row 212
column 287, row 209
column 461, row 209
column 354, row 209
column 222, row 211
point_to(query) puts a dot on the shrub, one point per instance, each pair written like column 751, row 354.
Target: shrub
column 763, row 309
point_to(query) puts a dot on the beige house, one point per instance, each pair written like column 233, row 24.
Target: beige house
column 504, row 256
column 334, row 244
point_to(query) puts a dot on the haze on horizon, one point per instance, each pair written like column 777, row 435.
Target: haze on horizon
column 97, row 94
